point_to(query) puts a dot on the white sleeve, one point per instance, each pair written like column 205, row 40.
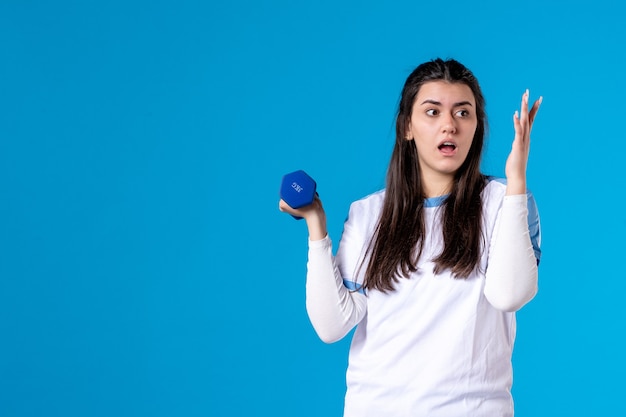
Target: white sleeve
column 332, row 308
column 511, row 276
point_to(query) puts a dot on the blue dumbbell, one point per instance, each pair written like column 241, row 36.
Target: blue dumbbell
column 298, row 190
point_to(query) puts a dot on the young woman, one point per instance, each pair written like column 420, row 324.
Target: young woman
column 431, row 269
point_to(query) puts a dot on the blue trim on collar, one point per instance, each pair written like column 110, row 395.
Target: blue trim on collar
column 435, row 201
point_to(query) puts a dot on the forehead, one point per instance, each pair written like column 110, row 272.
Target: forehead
column 445, row 93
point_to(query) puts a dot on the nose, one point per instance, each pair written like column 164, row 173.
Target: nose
column 448, row 125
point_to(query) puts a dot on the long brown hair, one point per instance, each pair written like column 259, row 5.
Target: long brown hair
column 398, row 240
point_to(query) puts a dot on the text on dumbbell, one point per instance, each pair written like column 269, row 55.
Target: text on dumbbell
column 296, row 187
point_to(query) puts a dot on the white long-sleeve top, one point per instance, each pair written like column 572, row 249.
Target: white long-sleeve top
column 436, row 346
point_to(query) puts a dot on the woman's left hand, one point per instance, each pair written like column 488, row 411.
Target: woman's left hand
column 518, row 158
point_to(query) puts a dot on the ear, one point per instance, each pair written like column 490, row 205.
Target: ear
column 408, row 135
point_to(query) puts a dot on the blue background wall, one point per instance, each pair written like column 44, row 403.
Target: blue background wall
column 144, row 267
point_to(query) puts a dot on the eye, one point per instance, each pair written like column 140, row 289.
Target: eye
column 463, row 113
column 432, row 112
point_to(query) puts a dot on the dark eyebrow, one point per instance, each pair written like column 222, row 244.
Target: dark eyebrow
column 436, row 103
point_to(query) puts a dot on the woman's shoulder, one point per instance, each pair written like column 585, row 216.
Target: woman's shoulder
column 370, row 201
column 368, row 207
column 495, row 182
column 495, row 188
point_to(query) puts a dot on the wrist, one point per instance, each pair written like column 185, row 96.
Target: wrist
column 515, row 186
column 316, row 223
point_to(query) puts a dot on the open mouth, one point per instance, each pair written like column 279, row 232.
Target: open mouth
column 447, row 146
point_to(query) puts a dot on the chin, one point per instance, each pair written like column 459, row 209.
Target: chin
column 450, row 170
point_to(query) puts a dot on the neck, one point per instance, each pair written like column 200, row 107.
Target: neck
column 436, row 185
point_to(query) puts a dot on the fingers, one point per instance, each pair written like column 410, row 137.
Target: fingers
column 524, row 109
column 523, row 121
column 525, row 113
column 302, row 211
column 534, row 110
column 520, row 120
column 283, row 206
column 517, row 124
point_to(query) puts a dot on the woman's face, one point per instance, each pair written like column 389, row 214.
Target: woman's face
column 443, row 122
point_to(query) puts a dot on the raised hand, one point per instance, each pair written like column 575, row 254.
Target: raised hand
column 517, row 161
column 313, row 214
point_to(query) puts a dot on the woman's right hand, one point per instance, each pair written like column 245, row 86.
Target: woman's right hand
column 313, row 214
